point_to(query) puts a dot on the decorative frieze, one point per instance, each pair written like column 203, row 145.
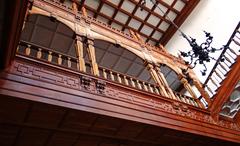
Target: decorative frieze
column 95, row 86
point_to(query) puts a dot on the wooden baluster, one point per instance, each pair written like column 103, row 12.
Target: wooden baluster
column 214, row 82
column 230, row 55
column 59, row 61
column 226, row 64
column 112, row 76
column 209, row 89
column 220, row 71
column 150, row 88
column 156, row 90
column 139, row 85
column 192, row 101
column 223, row 67
column 69, row 63
column 195, row 103
column 217, row 74
column 227, row 59
column 119, row 78
column 104, row 74
column 28, row 50
column 145, row 87
column 49, row 56
column 132, row 82
column 231, row 50
column 125, row 80
column 236, row 42
column 216, row 79
column 182, row 98
column 39, row 53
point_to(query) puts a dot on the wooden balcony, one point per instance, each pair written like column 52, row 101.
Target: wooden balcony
column 41, row 75
column 47, row 100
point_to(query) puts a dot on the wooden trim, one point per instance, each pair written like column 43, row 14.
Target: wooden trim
column 13, row 22
column 44, row 84
column 228, row 85
column 179, row 21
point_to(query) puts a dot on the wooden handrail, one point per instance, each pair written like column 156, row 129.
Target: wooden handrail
column 222, row 55
column 138, row 84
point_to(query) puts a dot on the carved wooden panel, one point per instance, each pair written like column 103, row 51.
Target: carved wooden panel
column 98, row 86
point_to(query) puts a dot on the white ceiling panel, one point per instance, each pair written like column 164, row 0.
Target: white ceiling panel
column 134, row 24
column 142, row 14
column 146, row 30
column 169, row 2
column 157, row 35
column 107, row 10
column 171, row 15
column 149, row 4
column 163, row 26
column 121, row 17
column 128, row 6
column 163, row 8
column 116, row 2
column 179, row 5
column 92, row 3
column 153, row 20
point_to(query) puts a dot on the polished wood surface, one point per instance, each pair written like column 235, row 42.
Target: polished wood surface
column 43, row 82
column 30, row 123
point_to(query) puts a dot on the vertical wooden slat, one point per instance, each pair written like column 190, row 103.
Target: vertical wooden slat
column 112, row 76
column 139, row 85
column 69, row 63
column 132, row 82
column 39, row 53
column 125, row 80
column 28, row 50
column 119, row 78
column 59, row 61
column 104, row 74
column 49, row 56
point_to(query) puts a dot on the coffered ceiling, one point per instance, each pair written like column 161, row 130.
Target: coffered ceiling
column 151, row 21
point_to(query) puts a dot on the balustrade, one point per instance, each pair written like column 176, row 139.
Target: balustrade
column 220, row 69
column 54, row 57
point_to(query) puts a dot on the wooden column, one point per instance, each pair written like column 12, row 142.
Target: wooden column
column 164, row 82
column 79, row 53
column 29, row 7
column 92, row 57
column 156, row 78
column 204, row 94
column 190, row 90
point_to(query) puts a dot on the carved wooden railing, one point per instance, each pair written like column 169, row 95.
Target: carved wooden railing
column 54, row 57
column 220, row 69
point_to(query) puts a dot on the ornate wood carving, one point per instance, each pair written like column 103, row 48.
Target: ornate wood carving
column 93, row 85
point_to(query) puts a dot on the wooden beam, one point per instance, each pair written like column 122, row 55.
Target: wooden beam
column 14, row 15
column 179, row 21
column 223, row 93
